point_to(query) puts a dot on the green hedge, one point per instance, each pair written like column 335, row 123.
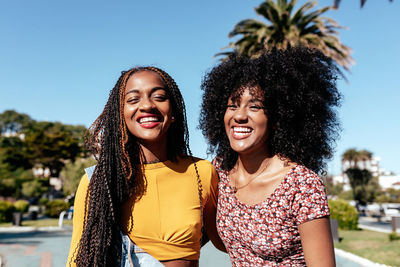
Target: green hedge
column 344, row 213
column 55, row 207
column 394, row 236
column 6, row 211
column 21, row 205
column 43, row 201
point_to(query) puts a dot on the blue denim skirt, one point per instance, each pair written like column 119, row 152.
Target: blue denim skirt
column 134, row 256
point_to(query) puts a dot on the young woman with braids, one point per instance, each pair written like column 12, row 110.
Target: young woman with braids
column 146, row 193
column 271, row 121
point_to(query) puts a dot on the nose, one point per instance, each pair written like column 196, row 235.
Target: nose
column 146, row 104
column 240, row 115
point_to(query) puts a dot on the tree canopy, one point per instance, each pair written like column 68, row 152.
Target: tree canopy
column 12, row 122
column 50, row 144
column 72, row 173
column 354, row 157
column 364, row 187
column 26, row 143
column 285, row 26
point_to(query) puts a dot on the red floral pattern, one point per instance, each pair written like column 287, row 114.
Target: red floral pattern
column 266, row 234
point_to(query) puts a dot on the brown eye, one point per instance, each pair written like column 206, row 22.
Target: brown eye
column 231, row 106
column 160, row 97
column 256, row 107
column 132, row 100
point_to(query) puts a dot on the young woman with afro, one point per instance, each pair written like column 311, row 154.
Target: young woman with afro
column 271, row 122
column 147, row 199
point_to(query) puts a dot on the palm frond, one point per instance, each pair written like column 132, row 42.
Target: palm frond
column 303, row 9
column 284, row 26
column 336, row 3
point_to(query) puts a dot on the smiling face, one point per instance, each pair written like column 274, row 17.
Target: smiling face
column 147, row 108
column 246, row 122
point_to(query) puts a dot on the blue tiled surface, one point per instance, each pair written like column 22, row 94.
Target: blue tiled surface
column 27, row 249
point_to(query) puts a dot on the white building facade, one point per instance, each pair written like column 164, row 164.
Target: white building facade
column 386, row 179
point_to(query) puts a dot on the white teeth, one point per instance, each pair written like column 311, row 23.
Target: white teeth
column 148, row 119
column 242, row 130
column 241, row 134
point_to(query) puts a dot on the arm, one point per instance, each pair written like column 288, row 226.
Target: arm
column 316, row 240
column 79, row 210
column 311, row 213
column 210, row 211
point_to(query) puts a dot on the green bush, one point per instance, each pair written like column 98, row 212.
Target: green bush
column 21, row 205
column 394, row 236
column 33, row 188
column 6, row 211
column 344, row 213
column 72, row 174
column 346, row 195
column 55, row 207
column 43, row 201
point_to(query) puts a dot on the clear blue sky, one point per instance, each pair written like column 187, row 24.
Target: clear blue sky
column 59, row 59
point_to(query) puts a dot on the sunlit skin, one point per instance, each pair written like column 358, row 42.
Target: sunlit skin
column 317, row 242
column 148, row 116
column 246, row 123
column 148, row 113
column 257, row 173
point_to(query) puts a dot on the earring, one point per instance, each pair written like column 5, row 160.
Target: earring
column 172, row 118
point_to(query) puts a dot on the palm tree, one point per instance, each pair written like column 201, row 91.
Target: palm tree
column 287, row 27
column 364, row 156
column 354, row 156
column 351, row 156
column 362, row 2
column 359, row 177
column 359, row 180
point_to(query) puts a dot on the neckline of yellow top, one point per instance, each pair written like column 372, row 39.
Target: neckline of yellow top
column 180, row 162
column 167, row 163
column 157, row 165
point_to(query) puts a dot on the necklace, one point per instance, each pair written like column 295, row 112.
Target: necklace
column 236, row 188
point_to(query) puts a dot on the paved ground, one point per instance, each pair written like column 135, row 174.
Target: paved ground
column 374, row 224
column 35, row 248
column 50, row 249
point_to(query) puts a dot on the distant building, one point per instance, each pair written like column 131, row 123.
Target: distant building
column 371, row 165
column 342, row 179
column 386, row 179
column 39, row 171
column 56, row 183
column 14, row 134
column 389, row 181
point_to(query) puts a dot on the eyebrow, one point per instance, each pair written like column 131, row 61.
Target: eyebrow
column 152, row 90
column 253, row 100
column 256, row 100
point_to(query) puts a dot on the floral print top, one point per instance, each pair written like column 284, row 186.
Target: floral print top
column 266, row 234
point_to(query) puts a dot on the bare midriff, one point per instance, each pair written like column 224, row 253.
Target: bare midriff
column 181, row 263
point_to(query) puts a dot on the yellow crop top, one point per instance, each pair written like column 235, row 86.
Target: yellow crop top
column 166, row 219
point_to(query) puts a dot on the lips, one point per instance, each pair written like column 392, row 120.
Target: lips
column 149, row 122
column 241, row 132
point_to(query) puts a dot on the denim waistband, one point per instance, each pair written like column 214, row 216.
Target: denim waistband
column 137, row 249
column 134, row 256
